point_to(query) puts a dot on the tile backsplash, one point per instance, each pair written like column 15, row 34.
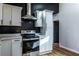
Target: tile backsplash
column 30, row 25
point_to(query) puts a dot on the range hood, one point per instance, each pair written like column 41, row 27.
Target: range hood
column 29, row 16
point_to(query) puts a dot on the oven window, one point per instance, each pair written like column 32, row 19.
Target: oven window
column 28, row 46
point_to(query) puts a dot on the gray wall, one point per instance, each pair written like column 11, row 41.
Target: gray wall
column 69, row 26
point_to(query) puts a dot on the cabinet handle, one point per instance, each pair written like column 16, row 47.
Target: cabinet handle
column 17, row 40
column 2, row 40
column 19, row 22
column 1, row 21
column 21, row 44
column 5, row 39
column 0, row 44
column 10, row 22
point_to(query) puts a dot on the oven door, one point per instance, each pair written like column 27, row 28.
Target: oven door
column 30, row 46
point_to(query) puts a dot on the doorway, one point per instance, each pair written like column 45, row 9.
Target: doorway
column 56, row 33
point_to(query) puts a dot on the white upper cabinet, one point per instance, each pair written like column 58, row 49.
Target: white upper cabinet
column 39, row 19
column 10, row 15
column 6, row 14
column 16, row 15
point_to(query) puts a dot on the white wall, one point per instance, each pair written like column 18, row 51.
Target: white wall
column 69, row 26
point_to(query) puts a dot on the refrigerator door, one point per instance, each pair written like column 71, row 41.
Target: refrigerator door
column 38, row 23
column 47, row 30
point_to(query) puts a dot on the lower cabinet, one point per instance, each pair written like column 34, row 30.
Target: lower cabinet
column 11, row 47
column 0, row 48
column 6, row 47
column 16, row 47
column 44, row 46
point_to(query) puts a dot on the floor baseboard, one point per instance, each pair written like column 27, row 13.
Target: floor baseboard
column 71, row 50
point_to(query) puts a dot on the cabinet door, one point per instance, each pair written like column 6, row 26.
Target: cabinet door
column 6, row 14
column 17, row 47
column 0, row 13
column 6, row 47
column 39, row 19
column 44, row 43
column 16, row 16
column 0, row 48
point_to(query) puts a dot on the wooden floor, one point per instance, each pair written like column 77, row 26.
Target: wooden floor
column 61, row 52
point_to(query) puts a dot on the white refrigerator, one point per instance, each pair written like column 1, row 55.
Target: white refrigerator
column 46, row 42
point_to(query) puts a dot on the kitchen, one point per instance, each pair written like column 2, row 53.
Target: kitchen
column 20, row 31
column 38, row 29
